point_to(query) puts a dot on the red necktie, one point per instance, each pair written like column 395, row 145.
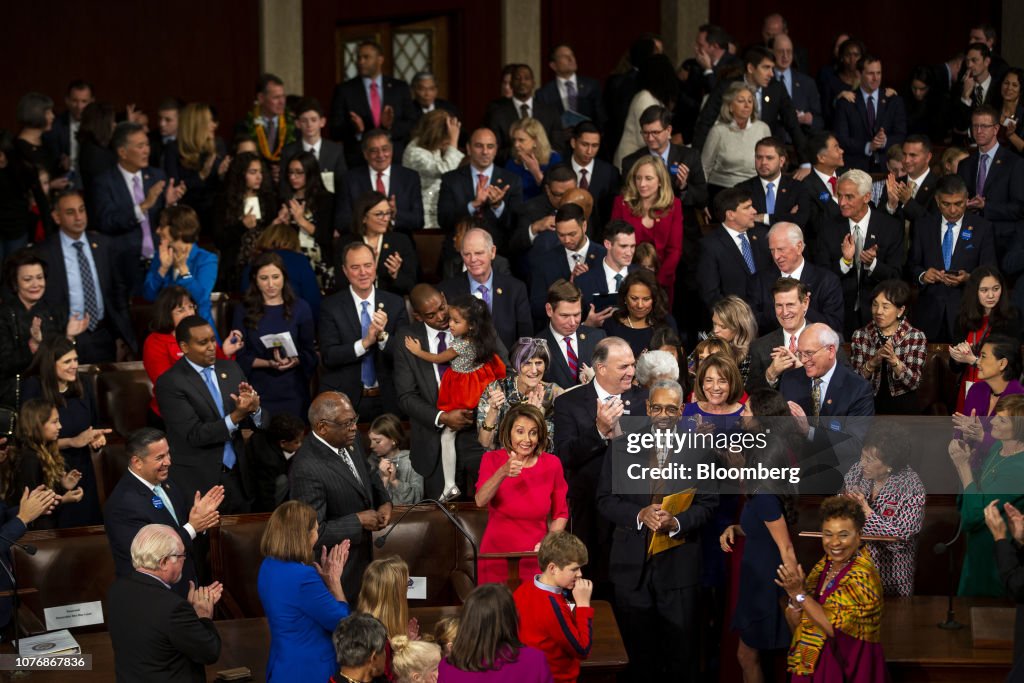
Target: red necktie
column 835, row 185
column 375, row 103
column 584, row 183
column 574, row 362
column 380, row 184
column 792, row 344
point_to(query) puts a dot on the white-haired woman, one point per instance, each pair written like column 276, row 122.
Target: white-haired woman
column 728, row 156
column 655, row 365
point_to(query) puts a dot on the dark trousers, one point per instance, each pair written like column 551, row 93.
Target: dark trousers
column 235, row 501
column 97, row 346
column 660, row 630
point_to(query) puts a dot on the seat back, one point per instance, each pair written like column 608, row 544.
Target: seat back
column 235, row 559
column 123, row 391
column 428, row 250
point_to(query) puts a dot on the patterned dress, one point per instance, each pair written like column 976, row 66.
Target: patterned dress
column 898, row 511
column 465, row 380
column 895, row 394
column 513, row 397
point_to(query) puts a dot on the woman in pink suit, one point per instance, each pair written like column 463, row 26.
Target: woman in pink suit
column 647, row 203
column 524, row 491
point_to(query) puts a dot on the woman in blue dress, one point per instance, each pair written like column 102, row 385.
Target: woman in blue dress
column 271, row 308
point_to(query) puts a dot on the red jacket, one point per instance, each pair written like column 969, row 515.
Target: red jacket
column 159, row 352
column 547, row 623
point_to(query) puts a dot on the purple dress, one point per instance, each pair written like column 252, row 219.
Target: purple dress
column 531, row 666
column 977, row 400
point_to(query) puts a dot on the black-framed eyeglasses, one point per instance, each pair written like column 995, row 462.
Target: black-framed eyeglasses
column 178, row 556
column 347, row 424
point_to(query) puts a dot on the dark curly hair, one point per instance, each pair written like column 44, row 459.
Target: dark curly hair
column 843, row 507
column 314, row 194
column 253, row 298
column 971, row 311
column 659, row 307
column 481, row 328
column 234, row 191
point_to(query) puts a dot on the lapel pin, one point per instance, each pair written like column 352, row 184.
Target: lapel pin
column 583, row 336
column 999, row 161
column 872, row 237
column 380, row 306
column 499, row 291
column 783, row 190
column 829, row 401
column 591, row 257
column 386, row 245
column 767, row 98
column 754, row 237
column 223, row 375
column 95, row 246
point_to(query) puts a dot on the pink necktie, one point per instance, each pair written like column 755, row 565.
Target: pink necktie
column 147, row 237
column 375, row 103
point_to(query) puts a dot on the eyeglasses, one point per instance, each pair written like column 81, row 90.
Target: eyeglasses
column 663, row 410
column 804, row 355
column 982, row 126
column 652, row 133
column 347, row 424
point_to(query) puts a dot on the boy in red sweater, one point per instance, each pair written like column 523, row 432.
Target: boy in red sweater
column 546, row 619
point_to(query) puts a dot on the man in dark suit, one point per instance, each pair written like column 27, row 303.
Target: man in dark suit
column 84, row 280
column 571, row 348
column 400, row 185
column 534, row 233
column 480, row 189
column 144, row 496
column 776, row 26
column 912, row 195
column 310, row 122
column 822, row 183
column 62, row 138
column 417, row 382
column 330, row 474
column 356, row 326
column 862, row 249
column 873, row 122
column 505, row 295
column 127, row 201
column 575, row 256
column 586, row 417
column 734, row 250
column 786, row 245
column 600, row 285
column 502, row 113
column 594, row 175
column 688, row 182
column 800, row 87
column 166, row 133
column 824, row 388
column 774, row 353
column 569, row 91
column 994, row 175
column 978, row 86
column 788, row 197
column 370, row 100
column 941, row 265
column 157, row 634
column 772, row 102
column 656, row 595
column 204, row 401
column 425, row 99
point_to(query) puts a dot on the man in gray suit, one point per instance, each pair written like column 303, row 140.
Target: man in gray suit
column 330, row 474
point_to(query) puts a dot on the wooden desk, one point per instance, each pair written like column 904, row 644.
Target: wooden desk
column 246, row 642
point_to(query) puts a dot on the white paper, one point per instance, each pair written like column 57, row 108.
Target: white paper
column 252, row 205
column 58, row 642
column 70, row 616
column 417, row 588
column 281, row 340
column 328, row 180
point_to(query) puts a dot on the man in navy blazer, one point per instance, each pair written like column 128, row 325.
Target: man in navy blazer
column 144, row 496
column 834, row 426
column 566, row 339
column 309, row 123
column 127, row 201
column 569, row 91
column 599, row 285
column 65, row 283
column 509, row 304
column 62, row 137
column 401, row 185
column 1001, row 199
column 575, row 255
column 863, row 248
column 352, row 110
column 941, row 287
column 594, row 175
column 723, row 269
column 822, row 183
column 790, row 199
column 873, row 122
column 503, row 112
column 357, row 357
column 914, row 192
column 494, row 198
column 800, row 87
column 786, row 245
column 425, row 99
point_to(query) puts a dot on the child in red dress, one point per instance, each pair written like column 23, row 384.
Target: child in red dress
column 474, row 364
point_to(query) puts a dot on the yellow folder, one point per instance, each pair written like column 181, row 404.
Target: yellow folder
column 673, row 504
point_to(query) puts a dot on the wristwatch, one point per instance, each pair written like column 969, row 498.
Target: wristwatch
column 799, row 598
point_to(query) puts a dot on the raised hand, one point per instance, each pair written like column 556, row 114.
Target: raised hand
column 35, row 503
column 357, row 121
column 994, row 520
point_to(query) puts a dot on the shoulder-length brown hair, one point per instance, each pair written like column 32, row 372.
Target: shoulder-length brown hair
column 659, row 300
column 286, row 536
column 727, row 368
column 194, row 139
column 530, row 412
column 44, row 364
column 489, row 630
column 662, row 201
column 253, row 298
column 383, row 594
column 431, row 132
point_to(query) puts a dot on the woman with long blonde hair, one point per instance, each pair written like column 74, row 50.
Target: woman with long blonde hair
column 732, row 321
column 647, row 203
column 195, row 160
column 531, row 154
column 383, row 595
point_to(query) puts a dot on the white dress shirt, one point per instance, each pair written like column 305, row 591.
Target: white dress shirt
column 775, row 188
column 315, row 149
column 560, row 340
column 187, row 526
column 563, row 93
column 488, row 173
column 519, row 106
column 386, row 177
column 357, row 345
column 609, row 275
column 985, row 85
column 578, row 256
column 797, row 272
column 589, row 168
column 863, row 223
column 825, row 380
column 735, row 235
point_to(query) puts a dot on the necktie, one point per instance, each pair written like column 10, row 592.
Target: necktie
column 369, row 371
column 442, row 346
column 347, row 459
column 485, row 294
column 159, row 491
column 871, row 114
column 570, row 94
column 979, row 189
column 947, row 246
column 380, row 184
column 979, row 96
column 228, row 459
column 748, row 255
column 769, row 199
column 816, row 396
column 271, row 127
column 858, row 245
column 147, row 237
column 792, row 344
column 618, row 282
column 574, row 362
column 759, row 98
column 375, row 103
column 584, row 183
column 524, row 111
column 88, row 286
column 834, row 184
column 913, row 189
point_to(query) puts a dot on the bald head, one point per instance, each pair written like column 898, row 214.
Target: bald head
column 333, row 419
column 782, row 46
column 580, row 198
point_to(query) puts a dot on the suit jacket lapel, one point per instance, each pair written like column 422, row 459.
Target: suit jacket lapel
column 197, row 382
column 148, row 495
column 428, row 369
column 333, row 461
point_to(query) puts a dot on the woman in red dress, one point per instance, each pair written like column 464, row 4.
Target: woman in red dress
column 524, row 491
column 647, row 203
